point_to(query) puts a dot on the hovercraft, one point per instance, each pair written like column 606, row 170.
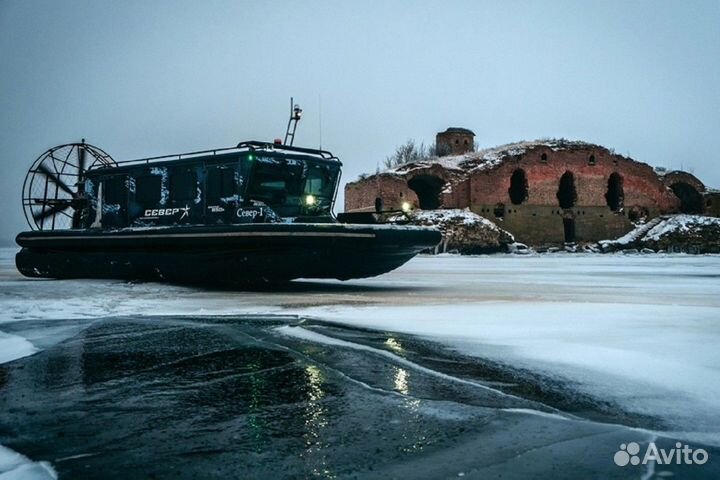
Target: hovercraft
column 257, row 212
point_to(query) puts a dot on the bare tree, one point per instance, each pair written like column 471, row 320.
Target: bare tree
column 409, row 152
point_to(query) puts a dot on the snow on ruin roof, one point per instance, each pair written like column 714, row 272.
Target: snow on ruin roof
column 489, row 158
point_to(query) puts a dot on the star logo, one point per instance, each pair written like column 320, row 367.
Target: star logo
column 185, row 212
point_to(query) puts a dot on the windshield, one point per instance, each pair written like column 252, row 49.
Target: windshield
column 292, row 187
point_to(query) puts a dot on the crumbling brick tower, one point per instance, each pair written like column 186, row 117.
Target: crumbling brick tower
column 454, row 141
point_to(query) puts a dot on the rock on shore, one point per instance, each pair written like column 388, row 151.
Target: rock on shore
column 463, row 231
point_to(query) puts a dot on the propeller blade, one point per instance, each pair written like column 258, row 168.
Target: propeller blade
column 81, row 160
column 81, row 169
column 55, row 179
column 43, row 214
column 49, row 201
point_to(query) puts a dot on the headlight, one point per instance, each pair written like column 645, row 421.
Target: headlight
column 406, row 207
column 310, row 200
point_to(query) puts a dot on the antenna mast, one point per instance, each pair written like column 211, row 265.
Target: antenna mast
column 295, row 114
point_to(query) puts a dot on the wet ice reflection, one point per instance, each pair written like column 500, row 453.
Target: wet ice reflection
column 401, row 380
column 315, row 422
column 394, row 345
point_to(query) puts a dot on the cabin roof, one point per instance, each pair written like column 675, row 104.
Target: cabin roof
column 222, row 154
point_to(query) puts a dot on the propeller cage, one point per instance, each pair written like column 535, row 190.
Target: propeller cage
column 54, row 187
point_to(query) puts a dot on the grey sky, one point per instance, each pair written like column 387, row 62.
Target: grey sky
column 143, row 78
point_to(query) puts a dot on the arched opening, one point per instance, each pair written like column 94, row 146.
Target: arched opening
column 690, row 198
column 427, row 188
column 379, row 204
column 518, row 190
column 615, row 195
column 567, row 193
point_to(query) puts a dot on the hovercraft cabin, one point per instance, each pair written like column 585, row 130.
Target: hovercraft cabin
column 226, row 186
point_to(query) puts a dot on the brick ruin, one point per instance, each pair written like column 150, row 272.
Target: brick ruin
column 543, row 192
column 455, row 141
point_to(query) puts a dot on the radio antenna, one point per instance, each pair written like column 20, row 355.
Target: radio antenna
column 295, row 114
column 320, row 119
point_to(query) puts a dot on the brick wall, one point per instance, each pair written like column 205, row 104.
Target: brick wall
column 640, row 183
column 454, row 143
column 393, row 189
column 539, row 219
column 712, row 204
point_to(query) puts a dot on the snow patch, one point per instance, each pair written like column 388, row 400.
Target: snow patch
column 489, row 158
column 164, row 191
column 680, row 224
column 14, row 466
column 13, row 347
column 454, row 214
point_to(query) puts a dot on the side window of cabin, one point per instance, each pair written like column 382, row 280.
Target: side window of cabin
column 114, row 202
column 183, row 185
column 114, row 191
column 221, row 182
column 148, row 189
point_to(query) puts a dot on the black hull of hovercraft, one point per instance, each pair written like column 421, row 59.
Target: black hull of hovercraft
column 223, row 255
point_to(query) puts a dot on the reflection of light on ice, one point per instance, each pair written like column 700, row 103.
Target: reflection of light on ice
column 315, row 380
column 315, row 420
column 394, row 345
column 415, row 440
column 402, row 385
column 401, row 380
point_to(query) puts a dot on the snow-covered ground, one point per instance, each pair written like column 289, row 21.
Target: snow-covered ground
column 640, row 331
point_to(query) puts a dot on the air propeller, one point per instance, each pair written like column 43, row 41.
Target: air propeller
column 54, row 188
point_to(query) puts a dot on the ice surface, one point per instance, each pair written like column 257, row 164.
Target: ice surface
column 13, row 347
column 653, row 360
column 14, row 466
column 641, row 332
column 305, row 334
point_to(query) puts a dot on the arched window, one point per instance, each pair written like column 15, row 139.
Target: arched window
column 518, row 190
column 543, row 158
column 591, row 160
column 615, row 195
column 567, row 193
column 427, row 188
column 690, row 198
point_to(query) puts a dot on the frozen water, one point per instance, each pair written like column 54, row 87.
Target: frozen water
column 14, row 466
column 13, row 347
column 640, row 332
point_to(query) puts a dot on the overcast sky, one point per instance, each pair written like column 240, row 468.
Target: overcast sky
column 141, row 78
